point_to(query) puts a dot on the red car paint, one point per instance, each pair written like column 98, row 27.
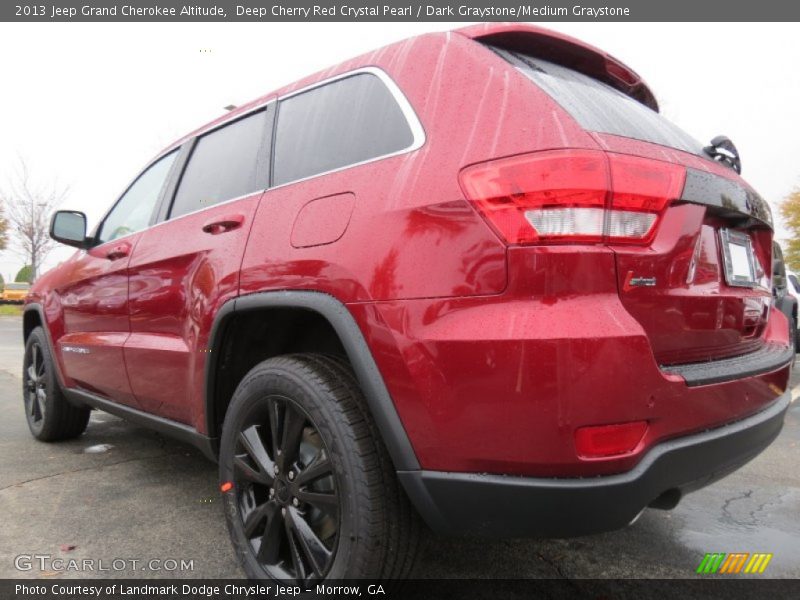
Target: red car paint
column 494, row 354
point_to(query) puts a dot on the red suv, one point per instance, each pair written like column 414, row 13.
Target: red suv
column 472, row 277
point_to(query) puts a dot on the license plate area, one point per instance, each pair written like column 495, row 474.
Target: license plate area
column 738, row 258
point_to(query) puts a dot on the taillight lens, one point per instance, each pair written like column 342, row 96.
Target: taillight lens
column 573, row 196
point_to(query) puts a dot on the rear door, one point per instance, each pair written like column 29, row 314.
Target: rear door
column 700, row 286
column 94, row 296
column 187, row 266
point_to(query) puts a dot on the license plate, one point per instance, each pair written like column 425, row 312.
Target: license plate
column 738, row 258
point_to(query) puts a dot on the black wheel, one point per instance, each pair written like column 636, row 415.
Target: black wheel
column 51, row 417
column 308, row 488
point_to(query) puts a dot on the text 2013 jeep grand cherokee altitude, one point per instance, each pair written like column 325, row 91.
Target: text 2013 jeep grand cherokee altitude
column 472, row 276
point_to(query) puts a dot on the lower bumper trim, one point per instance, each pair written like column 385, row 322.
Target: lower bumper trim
column 504, row 506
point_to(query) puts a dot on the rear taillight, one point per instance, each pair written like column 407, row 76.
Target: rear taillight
column 573, row 196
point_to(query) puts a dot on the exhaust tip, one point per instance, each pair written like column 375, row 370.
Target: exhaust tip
column 668, row 500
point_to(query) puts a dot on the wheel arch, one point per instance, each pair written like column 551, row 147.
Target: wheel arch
column 31, row 318
column 342, row 324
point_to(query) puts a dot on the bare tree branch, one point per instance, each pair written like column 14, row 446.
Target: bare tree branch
column 28, row 208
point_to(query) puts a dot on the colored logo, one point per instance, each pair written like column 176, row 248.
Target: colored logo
column 733, row 564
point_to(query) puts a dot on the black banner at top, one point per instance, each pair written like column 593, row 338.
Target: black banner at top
column 402, row 10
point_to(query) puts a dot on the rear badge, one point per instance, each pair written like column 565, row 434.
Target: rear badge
column 631, row 281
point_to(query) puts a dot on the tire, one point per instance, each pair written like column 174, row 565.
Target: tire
column 50, row 416
column 324, row 502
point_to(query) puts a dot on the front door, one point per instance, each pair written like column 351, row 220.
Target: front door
column 94, row 292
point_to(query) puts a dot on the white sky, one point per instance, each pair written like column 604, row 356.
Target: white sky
column 89, row 104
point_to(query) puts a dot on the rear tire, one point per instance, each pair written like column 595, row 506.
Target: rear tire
column 50, row 416
column 314, row 494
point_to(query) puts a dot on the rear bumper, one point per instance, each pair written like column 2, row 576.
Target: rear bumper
column 504, row 506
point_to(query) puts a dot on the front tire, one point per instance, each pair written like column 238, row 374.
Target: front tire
column 308, row 488
column 51, row 417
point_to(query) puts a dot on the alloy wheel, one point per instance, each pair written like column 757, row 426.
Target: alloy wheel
column 286, row 492
column 35, row 387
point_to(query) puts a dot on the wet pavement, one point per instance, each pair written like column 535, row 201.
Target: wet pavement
column 123, row 492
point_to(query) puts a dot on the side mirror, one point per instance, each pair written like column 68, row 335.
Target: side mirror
column 69, row 227
column 723, row 150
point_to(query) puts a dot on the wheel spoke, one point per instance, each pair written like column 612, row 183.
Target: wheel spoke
column 274, row 414
column 32, row 377
column 314, row 550
column 34, row 357
column 270, row 544
column 319, row 467
column 41, row 398
column 36, row 410
column 253, row 444
column 294, row 551
column 32, row 404
column 243, row 467
column 293, row 425
column 254, row 518
column 326, row 501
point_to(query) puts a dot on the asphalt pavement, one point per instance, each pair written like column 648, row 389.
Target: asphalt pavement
column 136, row 504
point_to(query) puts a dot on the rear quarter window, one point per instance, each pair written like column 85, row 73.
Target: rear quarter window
column 597, row 106
column 342, row 123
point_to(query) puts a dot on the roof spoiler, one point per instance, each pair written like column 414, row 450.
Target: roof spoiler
column 566, row 51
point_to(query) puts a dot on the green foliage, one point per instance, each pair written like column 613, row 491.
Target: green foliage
column 790, row 211
column 25, row 274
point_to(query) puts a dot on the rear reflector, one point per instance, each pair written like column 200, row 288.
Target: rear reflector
column 609, row 440
column 573, row 196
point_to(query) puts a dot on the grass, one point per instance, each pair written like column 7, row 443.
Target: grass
column 10, row 310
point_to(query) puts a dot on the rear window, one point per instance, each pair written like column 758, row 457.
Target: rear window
column 18, row 286
column 597, row 106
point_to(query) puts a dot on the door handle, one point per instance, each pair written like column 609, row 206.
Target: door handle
column 118, row 252
column 223, row 224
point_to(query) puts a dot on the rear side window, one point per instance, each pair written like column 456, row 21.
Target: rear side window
column 597, row 106
column 346, row 122
column 227, row 163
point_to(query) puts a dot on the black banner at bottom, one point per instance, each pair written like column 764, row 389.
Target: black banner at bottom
column 727, row 588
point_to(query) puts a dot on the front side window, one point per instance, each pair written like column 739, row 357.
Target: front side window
column 227, row 163
column 342, row 123
column 133, row 210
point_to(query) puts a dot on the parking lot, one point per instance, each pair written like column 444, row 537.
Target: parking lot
column 123, row 492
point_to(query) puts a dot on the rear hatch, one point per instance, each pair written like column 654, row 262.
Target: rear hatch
column 696, row 279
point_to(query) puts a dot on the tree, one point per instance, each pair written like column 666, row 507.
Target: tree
column 24, row 275
column 790, row 211
column 29, row 207
column 3, row 231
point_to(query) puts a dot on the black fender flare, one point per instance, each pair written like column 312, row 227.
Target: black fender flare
column 39, row 310
column 336, row 313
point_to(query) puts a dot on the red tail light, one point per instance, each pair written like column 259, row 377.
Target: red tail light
column 609, row 440
column 573, row 196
